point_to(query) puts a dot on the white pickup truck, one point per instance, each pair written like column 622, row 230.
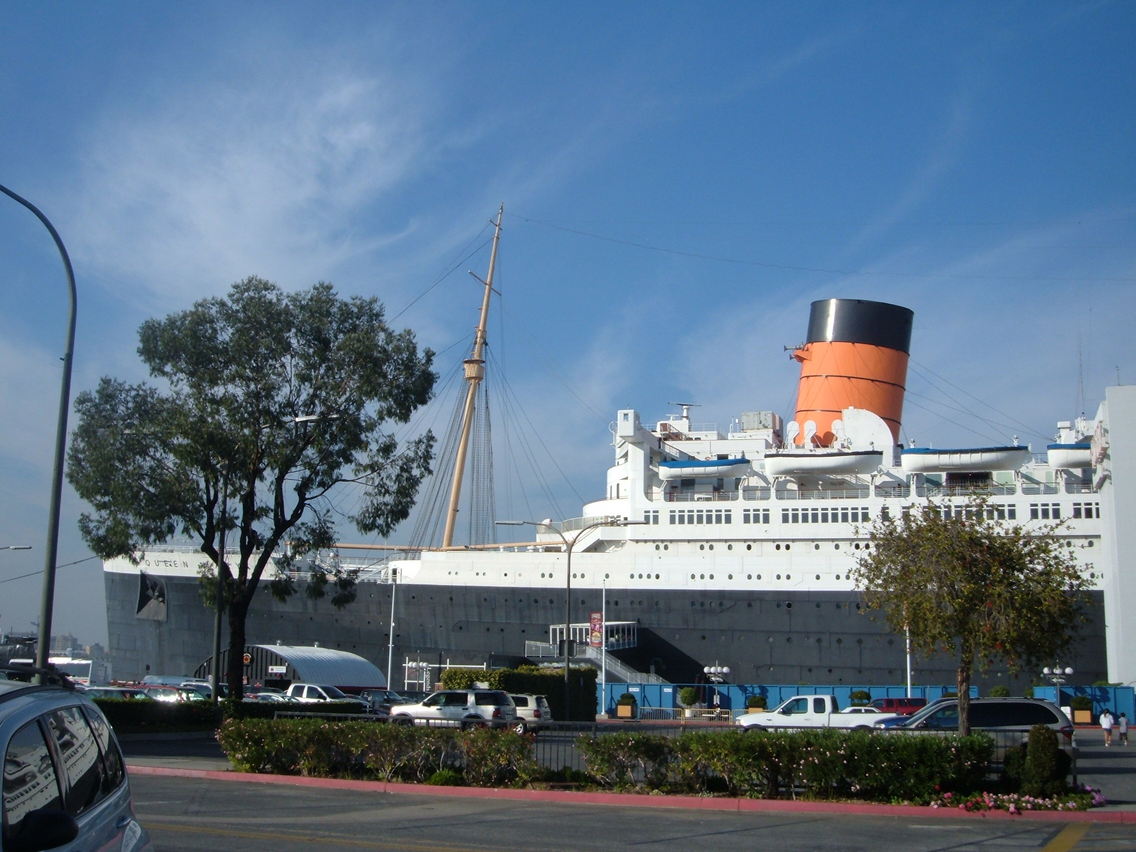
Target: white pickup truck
column 809, row 711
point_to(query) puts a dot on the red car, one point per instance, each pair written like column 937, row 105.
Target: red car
column 899, row 706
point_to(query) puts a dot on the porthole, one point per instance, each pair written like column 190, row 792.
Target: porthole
column 836, row 546
column 777, row 547
column 788, row 604
column 701, row 576
column 818, row 576
column 701, row 547
column 692, row 577
column 816, row 546
column 837, row 576
column 749, row 576
column 778, row 576
column 749, row 547
column 729, row 547
column 788, row 546
column 657, row 547
column 788, row 576
column 711, row 547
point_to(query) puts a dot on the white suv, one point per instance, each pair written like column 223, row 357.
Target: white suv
column 465, row 708
column 65, row 784
column 533, row 712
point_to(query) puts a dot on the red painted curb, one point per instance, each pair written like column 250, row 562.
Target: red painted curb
column 636, row 799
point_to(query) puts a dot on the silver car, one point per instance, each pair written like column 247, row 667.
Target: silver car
column 533, row 712
column 465, row 708
column 65, row 784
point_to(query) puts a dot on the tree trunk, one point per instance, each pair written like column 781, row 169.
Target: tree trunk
column 962, row 684
column 235, row 670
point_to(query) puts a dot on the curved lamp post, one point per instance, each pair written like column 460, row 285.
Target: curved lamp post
column 43, row 648
column 569, row 544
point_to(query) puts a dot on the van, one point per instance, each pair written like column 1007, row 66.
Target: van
column 899, row 706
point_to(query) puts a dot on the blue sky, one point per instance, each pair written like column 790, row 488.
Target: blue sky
column 680, row 180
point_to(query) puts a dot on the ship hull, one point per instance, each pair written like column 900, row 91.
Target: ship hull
column 768, row 636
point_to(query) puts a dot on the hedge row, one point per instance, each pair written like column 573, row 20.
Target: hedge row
column 821, row 764
column 806, row 764
column 346, row 749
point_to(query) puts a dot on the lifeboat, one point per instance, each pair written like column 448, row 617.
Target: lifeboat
column 976, row 460
column 823, row 461
column 687, row 468
column 1070, row 456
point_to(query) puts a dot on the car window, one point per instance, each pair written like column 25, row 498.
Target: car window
column 455, row 699
column 30, row 782
column 489, row 698
column 799, row 705
column 114, row 771
column 435, row 700
column 80, row 756
column 521, row 700
column 945, row 718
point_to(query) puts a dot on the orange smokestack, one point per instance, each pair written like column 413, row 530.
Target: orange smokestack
column 856, row 356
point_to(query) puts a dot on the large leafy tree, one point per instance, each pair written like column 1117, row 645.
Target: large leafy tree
column 964, row 582
column 266, row 401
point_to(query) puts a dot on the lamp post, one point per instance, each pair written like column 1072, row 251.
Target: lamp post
column 47, row 602
column 569, row 544
column 1056, row 674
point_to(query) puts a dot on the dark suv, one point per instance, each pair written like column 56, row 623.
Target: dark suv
column 466, row 708
column 65, row 784
column 1009, row 719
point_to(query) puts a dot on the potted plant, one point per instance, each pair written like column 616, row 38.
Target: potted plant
column 1082, row 707
column 625, row 706
column 860, row 697
column 755, row 703
column 688, row 697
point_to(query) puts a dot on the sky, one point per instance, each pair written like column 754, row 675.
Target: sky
column 679, row 180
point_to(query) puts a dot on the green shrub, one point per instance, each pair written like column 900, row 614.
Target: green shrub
column 1000, row 691
column 755, row 702
column 688, row 696
column 1081, row 702
column 446, row 778
column 1045, row 766
column 860, row 697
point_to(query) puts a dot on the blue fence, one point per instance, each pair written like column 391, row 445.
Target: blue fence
column 732, row 696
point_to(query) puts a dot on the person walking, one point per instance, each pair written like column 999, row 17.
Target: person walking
column 1122, row 728
column 1106, row 722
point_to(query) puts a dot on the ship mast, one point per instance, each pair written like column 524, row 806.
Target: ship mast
column 474, row 373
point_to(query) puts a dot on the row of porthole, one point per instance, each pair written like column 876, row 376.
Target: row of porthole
column 778, row 546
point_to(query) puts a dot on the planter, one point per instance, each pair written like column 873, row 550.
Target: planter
column 625, row 711
column 1082, row 717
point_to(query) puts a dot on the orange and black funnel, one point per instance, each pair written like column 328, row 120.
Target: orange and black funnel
column 855, row 356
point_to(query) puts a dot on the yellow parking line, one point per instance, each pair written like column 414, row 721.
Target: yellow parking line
column 1068, row 837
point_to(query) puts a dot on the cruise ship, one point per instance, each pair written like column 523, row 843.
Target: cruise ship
column 712, row 554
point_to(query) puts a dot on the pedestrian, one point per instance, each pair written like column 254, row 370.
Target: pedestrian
column 1106, row 722
column 1122, row 728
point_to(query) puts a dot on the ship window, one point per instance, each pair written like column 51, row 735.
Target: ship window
column 711, row 547
column 729, row 576
column 787, row 546
column 701, row 547
column 816, row 546
column 777, row 547
column 818, row 577
column 778, row 576
column 729, row 547
column 836, row 546
column 759, row 576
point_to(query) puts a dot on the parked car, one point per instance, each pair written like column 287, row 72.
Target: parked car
column 307, row 693
column 899, row 706
column 382, row 700
column 1008, row 719
column 869, row 709
column 121, row 692
column 65, row 783
column 466, row 708
column 533, row 712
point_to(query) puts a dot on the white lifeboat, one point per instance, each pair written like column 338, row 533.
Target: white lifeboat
column 976, row 460
column 1070, row 456
column 802, row 462
column 687, row 468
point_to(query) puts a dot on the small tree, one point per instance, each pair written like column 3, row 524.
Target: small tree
column 963, row 582
column 268, row 402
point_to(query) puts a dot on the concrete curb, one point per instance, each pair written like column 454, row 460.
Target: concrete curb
column 636, row 800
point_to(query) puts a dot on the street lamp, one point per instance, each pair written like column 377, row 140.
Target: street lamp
column 48, row 598
column 1057, row 675
column 569, row 544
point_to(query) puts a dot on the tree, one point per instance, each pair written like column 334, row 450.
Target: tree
column 964, row 582
column 269, row 400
